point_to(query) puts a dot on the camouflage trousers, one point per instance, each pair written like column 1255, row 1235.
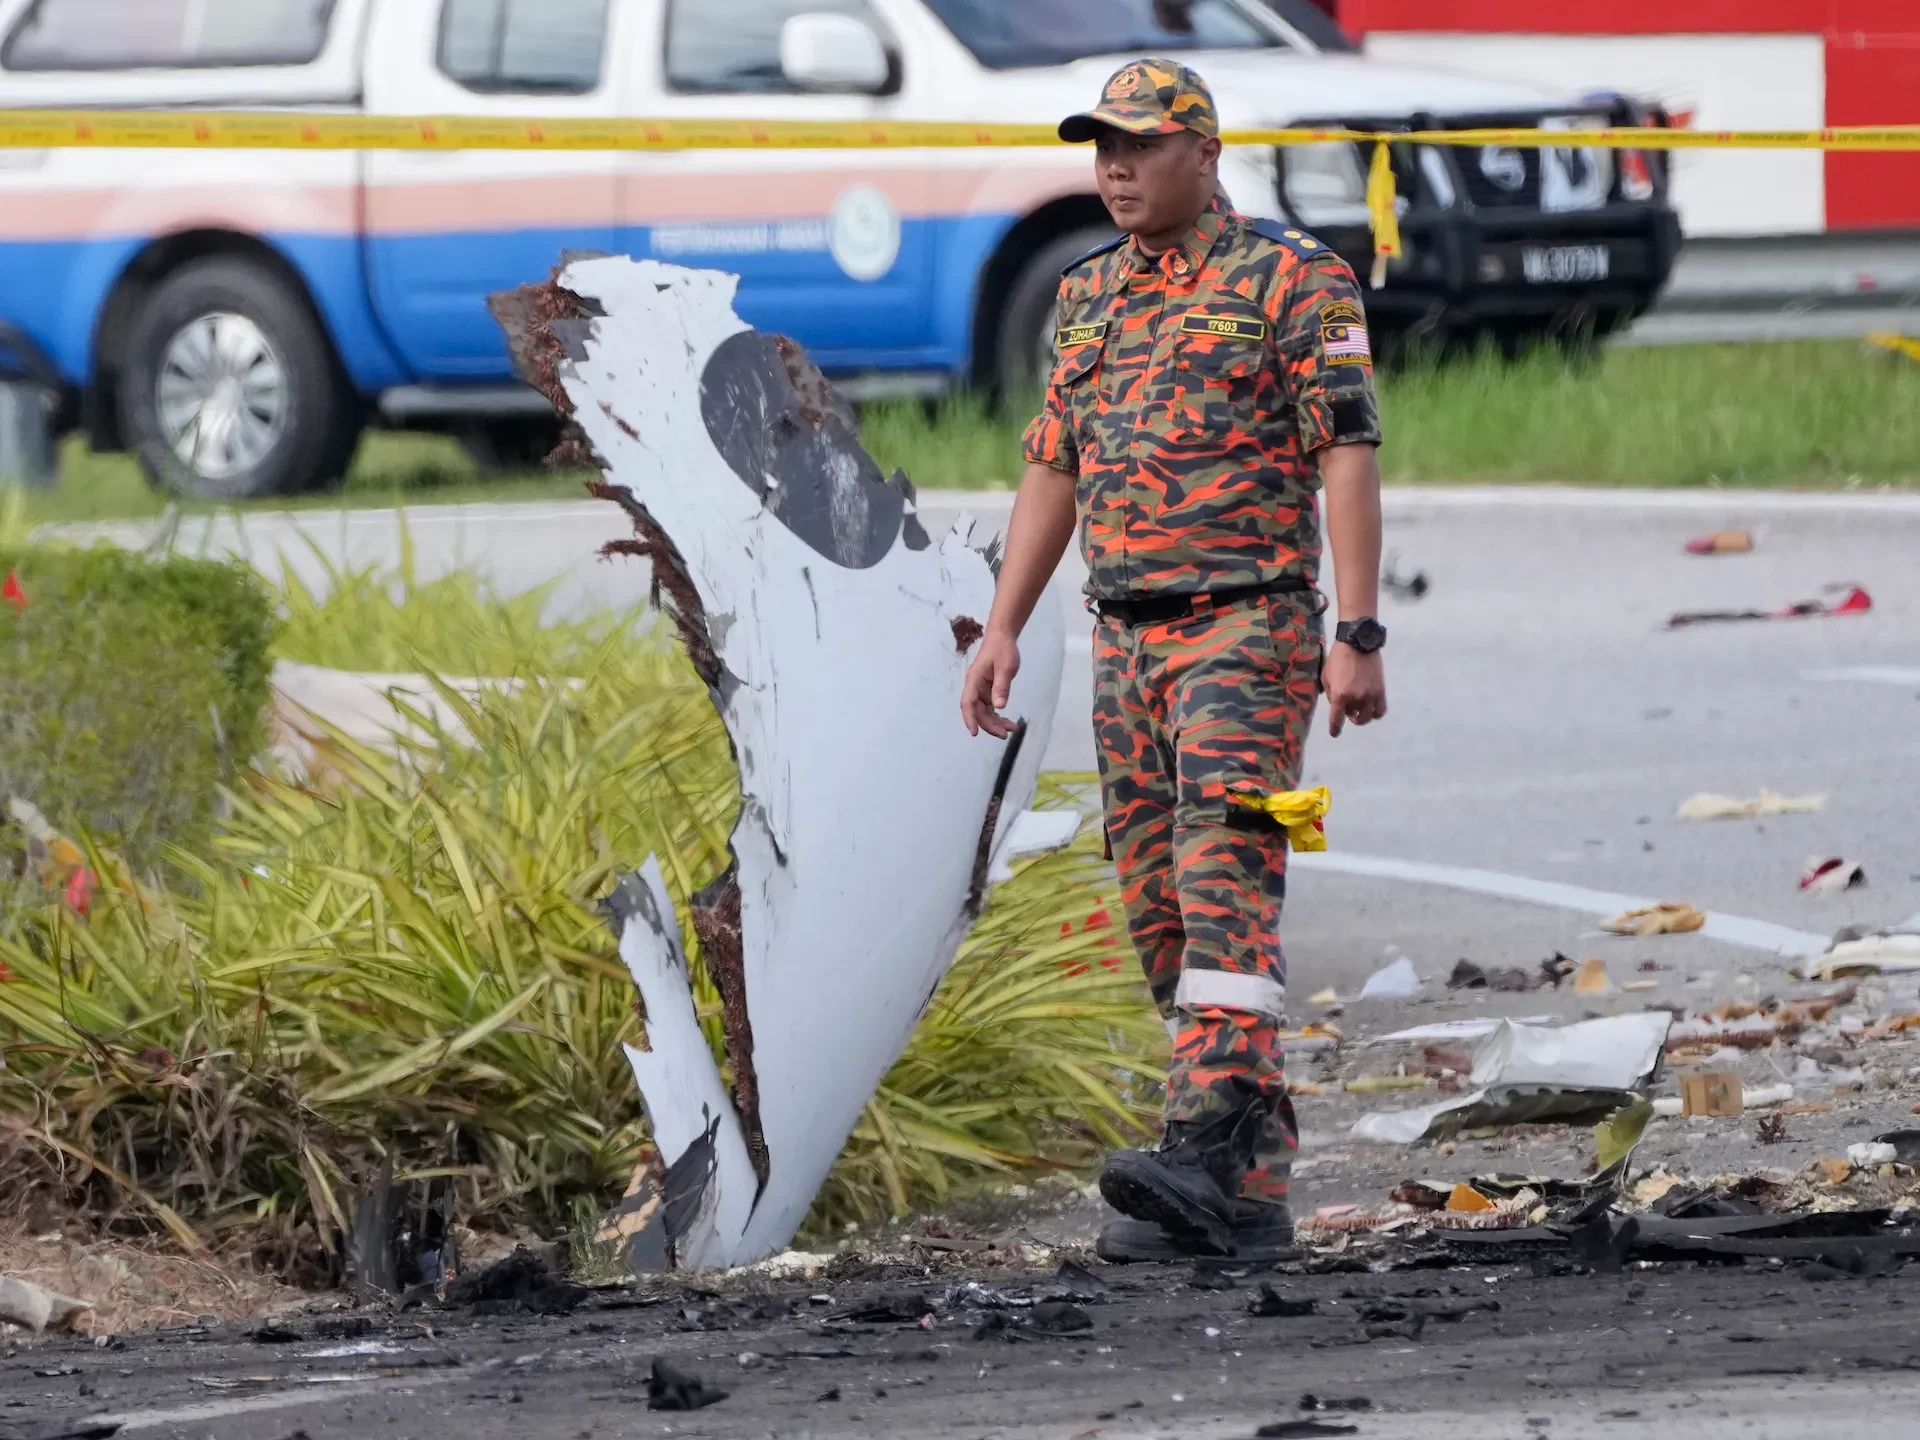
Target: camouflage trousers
column 1186, row 714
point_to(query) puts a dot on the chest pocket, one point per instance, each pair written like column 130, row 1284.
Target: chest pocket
column 1076, row 375
column 1222, row 361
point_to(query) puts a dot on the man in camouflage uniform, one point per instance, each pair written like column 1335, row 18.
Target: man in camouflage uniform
column 1213, row 375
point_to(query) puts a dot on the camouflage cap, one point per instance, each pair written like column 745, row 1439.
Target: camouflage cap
column 1148, row 97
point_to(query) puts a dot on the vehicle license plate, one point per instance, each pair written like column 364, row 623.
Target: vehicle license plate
column 1564, row 264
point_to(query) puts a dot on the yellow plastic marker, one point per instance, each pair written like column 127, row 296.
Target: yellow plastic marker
column 1383, row 206
column 1299, row 811
column 1898, row 344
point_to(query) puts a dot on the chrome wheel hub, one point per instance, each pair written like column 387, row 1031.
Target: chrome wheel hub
column 223, row 395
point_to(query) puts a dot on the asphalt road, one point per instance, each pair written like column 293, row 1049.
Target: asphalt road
column 1725, row 1353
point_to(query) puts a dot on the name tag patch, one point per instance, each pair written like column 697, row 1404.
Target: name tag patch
column 1227, row 327
column 1343, row 334
column 1072, row 337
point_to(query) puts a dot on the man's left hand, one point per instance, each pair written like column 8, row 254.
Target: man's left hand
column 1356, row 687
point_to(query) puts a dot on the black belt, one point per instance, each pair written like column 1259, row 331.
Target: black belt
column 1132, row 610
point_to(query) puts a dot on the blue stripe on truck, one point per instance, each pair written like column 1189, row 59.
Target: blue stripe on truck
column 424, row 318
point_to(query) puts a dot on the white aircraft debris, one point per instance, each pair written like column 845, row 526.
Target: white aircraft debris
column 833, row 631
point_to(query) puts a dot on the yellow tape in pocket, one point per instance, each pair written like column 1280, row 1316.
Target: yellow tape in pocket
column 1299, row 812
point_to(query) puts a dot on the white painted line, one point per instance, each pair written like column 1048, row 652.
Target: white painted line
column 315, row 1394
column 1734, row 929
column 1557, row 497
column 1868, row 674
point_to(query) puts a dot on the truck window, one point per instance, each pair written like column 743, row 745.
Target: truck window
column 549, row 47
column 167, row 34
column 733, row 46
column 1008, row 34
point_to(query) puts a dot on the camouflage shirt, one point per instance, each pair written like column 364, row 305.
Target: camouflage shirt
column 1191, row 393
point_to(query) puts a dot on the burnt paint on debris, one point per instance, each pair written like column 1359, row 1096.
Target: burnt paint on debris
column 689, row 1187
column 795, row 444
column 545, row 325
column 715, row 913
column 966, row 633
column 983, row 856
column 630, row 898
column 673, row 589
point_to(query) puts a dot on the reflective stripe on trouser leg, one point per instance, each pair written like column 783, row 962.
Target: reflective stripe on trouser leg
column 1229, row 990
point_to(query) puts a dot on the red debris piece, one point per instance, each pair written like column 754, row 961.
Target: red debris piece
column 1831, row 873
column 1854, row 600
column 13, row 592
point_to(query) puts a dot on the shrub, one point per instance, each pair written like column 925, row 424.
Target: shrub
column 130, row 689
column 414, row 964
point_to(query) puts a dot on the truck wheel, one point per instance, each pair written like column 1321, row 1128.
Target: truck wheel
column 231, row 389
column 1023, row 356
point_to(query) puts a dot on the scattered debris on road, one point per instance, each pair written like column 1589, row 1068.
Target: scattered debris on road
column 1706, row 806
column 1712, row 1092
column 1852, row 600
column 1396, row 981
column 1592, row 978
column 670, row 1388
column 1669, row 917
column 1530, row 1073
column 1857, row 954
column 1722, row 542
column 1269, row 1303
column 1404, row 587
column 1830, row 874
column 32, row 1307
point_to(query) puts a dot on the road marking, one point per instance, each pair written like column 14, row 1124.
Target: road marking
column 1553, row 497
column 1734, row 929
column 345, row 1389
column 1868, row 674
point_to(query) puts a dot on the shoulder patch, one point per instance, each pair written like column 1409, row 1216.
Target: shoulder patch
column 1094, row 254
column 1286, row 236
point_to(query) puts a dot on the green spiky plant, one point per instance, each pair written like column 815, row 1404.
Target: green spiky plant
column 410, row 960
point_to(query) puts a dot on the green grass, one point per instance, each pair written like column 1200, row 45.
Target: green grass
column 1817, row 415
column 1827, row 415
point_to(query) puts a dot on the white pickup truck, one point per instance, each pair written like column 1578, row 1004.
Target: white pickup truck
column 237, row 318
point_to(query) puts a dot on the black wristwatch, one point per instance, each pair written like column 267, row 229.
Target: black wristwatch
column 1365, row 634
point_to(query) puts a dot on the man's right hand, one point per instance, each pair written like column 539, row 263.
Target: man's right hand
column 990, row 685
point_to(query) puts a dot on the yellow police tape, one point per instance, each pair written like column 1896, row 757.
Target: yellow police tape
column 1300, row 812
column 290, row 130
column 284, row 130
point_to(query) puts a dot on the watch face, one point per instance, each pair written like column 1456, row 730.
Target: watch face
column 1366, row 636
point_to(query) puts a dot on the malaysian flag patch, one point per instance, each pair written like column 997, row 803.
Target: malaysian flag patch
column 1343, row 335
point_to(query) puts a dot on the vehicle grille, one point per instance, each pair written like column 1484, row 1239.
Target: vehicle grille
column 1500, row 178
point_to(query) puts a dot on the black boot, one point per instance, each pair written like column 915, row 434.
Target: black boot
column 1186, row 1187
column 1262, row 1234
